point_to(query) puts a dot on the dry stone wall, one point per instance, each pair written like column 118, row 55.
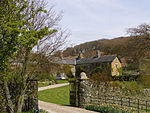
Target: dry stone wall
column 89, row 92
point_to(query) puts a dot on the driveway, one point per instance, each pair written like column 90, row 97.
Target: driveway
column 54, row 108
column 52, row 86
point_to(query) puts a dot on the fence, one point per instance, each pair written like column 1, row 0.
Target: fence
column 85, row 92
column 123, row 102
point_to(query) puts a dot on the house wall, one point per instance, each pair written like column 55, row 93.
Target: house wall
column 116, row 67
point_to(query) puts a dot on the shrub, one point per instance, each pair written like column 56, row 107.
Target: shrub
column 40, row 111
column 45, row 77
column 79, row 69
column 100, row 77
column 108, row 109
column 67, row 70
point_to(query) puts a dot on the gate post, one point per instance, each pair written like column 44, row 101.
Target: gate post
column 74, row 92
column 83, row 92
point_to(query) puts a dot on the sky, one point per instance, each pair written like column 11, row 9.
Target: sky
column 89, row 20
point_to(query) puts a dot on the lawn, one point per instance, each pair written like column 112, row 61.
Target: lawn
column 42, row 85
column 46, row 83
column 131, row 85
column 61, row 81
column 58, row 95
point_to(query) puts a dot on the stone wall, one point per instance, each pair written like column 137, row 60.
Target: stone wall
column 89, row 92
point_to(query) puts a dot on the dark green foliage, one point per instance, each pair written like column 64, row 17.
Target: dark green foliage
column 68, row 72
column 40, row 111
column 101, row 68
column 100, row 77
column 44, row 77
column 144, row 80
column 79, row 69
column 2, row 99
column 15, row 29
column 17, row 39
column 131, row 67
column 98, row 70
column 126, row 77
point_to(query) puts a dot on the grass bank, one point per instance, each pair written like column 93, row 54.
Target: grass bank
column 47, row 83
column 61, row 81
column 58, row 95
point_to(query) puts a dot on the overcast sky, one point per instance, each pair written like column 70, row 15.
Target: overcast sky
column 90, row 20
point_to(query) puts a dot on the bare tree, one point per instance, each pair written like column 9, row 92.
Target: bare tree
column 141, row 39
column 51, row 19
column 25, row 67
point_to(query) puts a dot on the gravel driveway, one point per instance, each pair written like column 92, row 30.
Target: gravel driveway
column 54, row 108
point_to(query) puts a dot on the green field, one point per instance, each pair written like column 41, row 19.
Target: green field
column 46, row 83
column 61, row 81
column 58, row 95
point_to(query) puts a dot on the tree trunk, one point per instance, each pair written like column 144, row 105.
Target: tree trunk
column 8, row 97
column 20, row 103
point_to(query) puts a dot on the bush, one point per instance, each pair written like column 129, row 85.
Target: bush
column 100, row 77
column 144, row 81
column 40, row 111
column 108, row 109
column 67, row 69
column 126, row 77
column 45, row 77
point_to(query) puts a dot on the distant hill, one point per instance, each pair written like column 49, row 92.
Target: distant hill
column 124, row 47
column 108, row 46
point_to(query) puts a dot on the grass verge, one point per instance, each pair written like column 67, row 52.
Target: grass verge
column 58, row 95
column 61, row 81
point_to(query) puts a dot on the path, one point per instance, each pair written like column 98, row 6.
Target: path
column 54, row 108
column 52, row 86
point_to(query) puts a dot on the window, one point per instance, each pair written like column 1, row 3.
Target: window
column 117, row 73
column 116, row 65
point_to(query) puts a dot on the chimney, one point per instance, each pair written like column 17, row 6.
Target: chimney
column 61, row 55
column 99, row 54
column 80, row 55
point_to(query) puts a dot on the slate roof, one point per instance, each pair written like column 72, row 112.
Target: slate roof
column 70, row 61
column 101, row 59
column 75, row 61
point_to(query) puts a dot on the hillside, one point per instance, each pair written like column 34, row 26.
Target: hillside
column 124, row 47
column 108, row 46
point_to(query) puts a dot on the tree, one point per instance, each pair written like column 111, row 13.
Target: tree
column 23, row 24
column 141, row 39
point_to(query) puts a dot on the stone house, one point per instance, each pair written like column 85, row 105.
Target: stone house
column 101, row 64
column 63, row 61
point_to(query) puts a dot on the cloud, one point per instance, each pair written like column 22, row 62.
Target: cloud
column 92, row 19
